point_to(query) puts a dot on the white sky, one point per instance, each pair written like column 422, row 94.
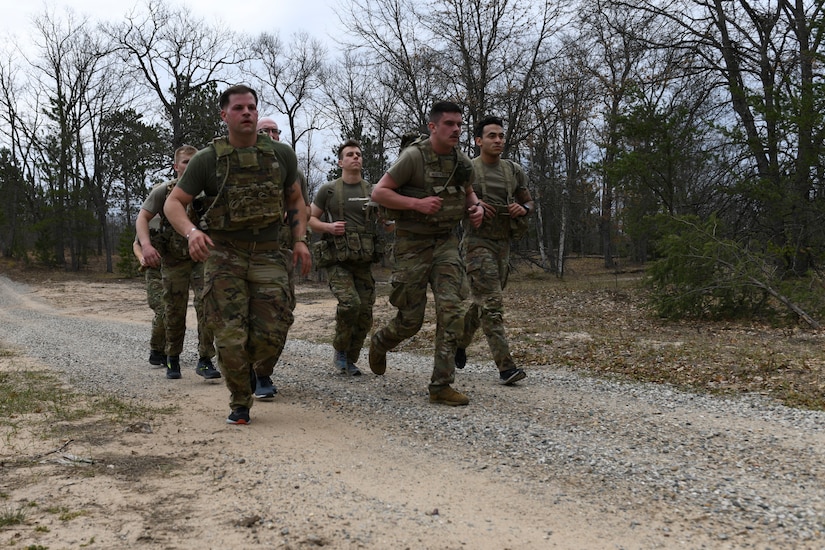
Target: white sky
column 251, row 16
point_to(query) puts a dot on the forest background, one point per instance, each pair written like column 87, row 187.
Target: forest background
column 688, row 134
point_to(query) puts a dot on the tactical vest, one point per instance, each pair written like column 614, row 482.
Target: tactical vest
column 172, row 245
column 443, row 177
column 502, row 226
column 357, row 244
column 250, row 188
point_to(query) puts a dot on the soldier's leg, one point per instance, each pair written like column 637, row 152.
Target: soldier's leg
column 176, row 296
column 450, row 290
column 226, row 308
column 206, row 338
column 270, row 309
column 409, row 296
column 365, row 287
column 486, row 280
column 342, row 285
column 154, row 296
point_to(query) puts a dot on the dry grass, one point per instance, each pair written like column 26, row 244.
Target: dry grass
column 596, row 321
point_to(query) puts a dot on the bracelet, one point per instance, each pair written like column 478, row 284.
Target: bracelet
column 301, row 239
column 478, row 204
column 190, row 232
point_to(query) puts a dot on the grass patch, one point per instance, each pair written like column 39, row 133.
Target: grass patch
column 39, row 401
column 12, row 516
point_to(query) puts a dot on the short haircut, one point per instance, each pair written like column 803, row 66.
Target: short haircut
column 184, row 150
column 349, row 143
column 441, row 107
column 478, row 131
column 223, row 99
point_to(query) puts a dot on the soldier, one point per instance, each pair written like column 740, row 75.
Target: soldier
column 500, row 184
column 154, row 296
column 347, row 249
column 249, row 181
column 264, row 386
column 180, row 273
column 428, row 190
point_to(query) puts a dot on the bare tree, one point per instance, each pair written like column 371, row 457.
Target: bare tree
column 176, row 55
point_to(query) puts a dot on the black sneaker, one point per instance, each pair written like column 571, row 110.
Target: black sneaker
column 264, row 389
column 460, row 358
column 173, row 367
column 206, row 369
column 511, row 376
column 157, row 358
column 352, row 370
column 238, row 416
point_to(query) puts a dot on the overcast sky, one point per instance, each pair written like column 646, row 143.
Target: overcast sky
column 286, row 16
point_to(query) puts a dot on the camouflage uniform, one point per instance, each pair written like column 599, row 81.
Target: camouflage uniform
column 350, row 274
column 178, row 278
column 426, row 252
column 247, row 297
column 179, row 274
column 261, row 367
column 154, row 295
column 486, row 251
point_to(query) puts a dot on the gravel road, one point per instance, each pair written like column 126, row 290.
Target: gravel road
column 683, row 470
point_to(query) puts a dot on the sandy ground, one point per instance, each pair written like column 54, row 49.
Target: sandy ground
column 300, row 476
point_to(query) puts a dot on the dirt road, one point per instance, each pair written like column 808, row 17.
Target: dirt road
column 557, row 462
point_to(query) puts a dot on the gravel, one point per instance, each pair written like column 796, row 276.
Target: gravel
column 745, row 472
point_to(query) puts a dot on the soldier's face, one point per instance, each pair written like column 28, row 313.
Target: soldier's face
column 446, row 131
column 491, row 141
column 351, row 158
column 241, row 114
column 181, row 164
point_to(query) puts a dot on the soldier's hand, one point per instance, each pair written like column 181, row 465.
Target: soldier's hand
column 300, row 253
column 429, row 205
column 516, row 210
column 489, row 210
column 476, row 215
column 151, row 257
column 338, row 228
column 199, row 245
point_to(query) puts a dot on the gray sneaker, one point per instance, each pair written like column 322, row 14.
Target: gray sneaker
column 339, row 360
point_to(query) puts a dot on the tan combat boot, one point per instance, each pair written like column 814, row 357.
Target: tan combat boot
column 448, row 396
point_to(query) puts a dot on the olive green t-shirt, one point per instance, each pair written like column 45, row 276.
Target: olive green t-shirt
column 490, row 184
column 354, row 203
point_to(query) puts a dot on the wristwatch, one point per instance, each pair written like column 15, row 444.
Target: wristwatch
column 301, row 239
column 526, row 208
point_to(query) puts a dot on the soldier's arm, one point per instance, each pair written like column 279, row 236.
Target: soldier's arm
column 297, row 221
column 151, row 256
column 386, row 194
column 175, row 211
column 474, row 206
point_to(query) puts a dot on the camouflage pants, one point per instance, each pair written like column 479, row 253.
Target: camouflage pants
column 487, row 269
column 154, row 295
column 248, row 304
column 354, row 287
column 419, row 262
column 266, row 368
column 178, row 277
